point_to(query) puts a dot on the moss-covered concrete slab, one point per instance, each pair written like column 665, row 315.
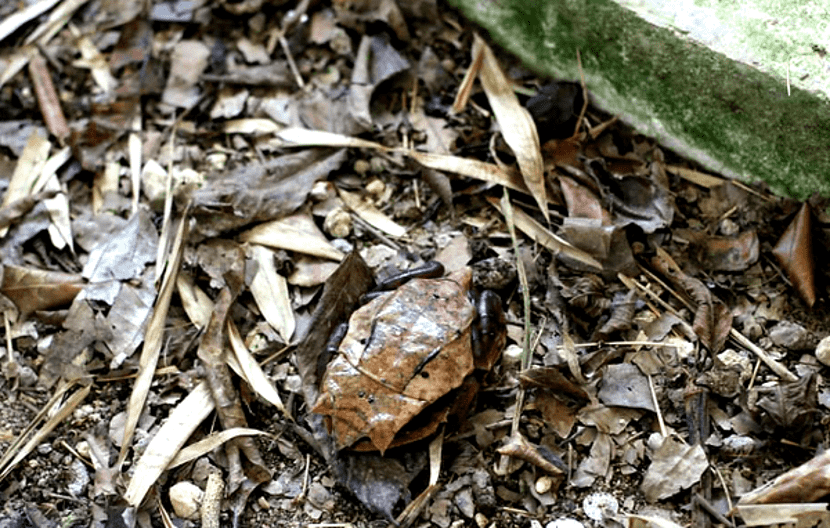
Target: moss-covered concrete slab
column 741, row 87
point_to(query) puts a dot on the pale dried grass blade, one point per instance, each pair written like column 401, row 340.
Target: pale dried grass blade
column 153, row 339
column 298, row 137
column 246, row 367
column 135, row 148
column 543, row 236
column 167, row 442
column 60, row 230
column 270, row 290
column 296, row 233
column 472, row 168
column 790, row 515
column 17, row 452
column 371, row 214
column 211, row 442
column 516, row 124
column 706, row 181
column 257, row 126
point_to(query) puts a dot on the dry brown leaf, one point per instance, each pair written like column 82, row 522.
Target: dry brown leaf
column 674, row 466
column 32, row 289
column 516, row 124
column 794, row 251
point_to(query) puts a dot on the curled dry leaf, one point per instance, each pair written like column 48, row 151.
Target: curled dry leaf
column 794, row 252
column 713, row 320
column 517, row 446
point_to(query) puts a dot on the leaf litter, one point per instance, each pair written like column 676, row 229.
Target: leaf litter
column 184, row 179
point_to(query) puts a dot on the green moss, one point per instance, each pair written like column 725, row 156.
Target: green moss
column 730, row 117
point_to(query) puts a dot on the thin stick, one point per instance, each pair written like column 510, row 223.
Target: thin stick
column 584, row 94
column 660, row 420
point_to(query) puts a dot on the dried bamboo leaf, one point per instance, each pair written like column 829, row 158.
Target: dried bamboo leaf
column 543, row 236
column 296, row 233
column 153, row 340
column 28, row 168
column 371, row 214
column 299, row 137
column 516, row 123
column 209, row 443
column 247, row 368
column 167, row 442
column 270, row 291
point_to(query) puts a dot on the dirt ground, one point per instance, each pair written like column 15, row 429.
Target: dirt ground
column 198, row 185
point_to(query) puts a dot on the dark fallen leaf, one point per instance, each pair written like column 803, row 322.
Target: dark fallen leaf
column 794, row 252
column 341, row 293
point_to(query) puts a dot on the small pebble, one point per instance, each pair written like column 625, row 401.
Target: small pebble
column 186, row 498
column 789, row 335
column 544, row 484
column 823, row 351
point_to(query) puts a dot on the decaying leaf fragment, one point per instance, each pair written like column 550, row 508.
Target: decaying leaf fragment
column 794, row 252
